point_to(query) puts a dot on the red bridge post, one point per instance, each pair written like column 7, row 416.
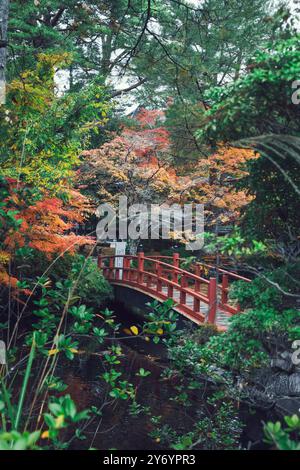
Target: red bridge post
column 159, row 276
column 197, row 286
column 126, row 266
column 183, row 285
column 176, row 265
column 111, row 268
column 140, row 267
column 212, row 296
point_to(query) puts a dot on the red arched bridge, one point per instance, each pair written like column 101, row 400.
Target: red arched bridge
column 197, row 295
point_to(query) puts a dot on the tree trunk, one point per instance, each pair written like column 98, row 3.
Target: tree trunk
column 4, row 6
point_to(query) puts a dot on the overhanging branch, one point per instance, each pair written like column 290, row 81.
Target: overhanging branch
column 129, row 88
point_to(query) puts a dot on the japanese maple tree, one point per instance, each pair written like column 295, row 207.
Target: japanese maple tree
column 218, row 190
column 37, row 221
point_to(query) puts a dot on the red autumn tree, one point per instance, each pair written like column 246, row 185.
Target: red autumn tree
column 41, row 222
column 135, row 164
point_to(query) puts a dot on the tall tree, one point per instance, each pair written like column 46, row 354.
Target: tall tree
column 220, row 194
column 42, row 134
column 4, row 7
column 136, row 165
column 183, row 46
column 258, row 112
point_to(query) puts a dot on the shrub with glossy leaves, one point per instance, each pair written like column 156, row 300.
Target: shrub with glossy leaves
column 89, row 282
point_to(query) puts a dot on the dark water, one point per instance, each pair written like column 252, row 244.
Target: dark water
column 116, row 428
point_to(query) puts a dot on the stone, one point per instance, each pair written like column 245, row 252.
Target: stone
column 284, row 364
column 288, row 406
column 263, row 376
column 277, row 385
column 294, row 385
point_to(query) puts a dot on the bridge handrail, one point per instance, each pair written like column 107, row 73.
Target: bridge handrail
column 161, row 263
column 198, row 295
column 185, row 282
column 210, row 266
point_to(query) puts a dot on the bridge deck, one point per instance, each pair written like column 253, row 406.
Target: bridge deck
column 221, row 317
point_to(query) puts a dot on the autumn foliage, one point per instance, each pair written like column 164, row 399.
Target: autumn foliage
column 219, row 174
column 138, row 163
column 44, row 224
column 135, row 163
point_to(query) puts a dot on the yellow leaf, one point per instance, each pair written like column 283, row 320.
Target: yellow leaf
column 147, row 338
column 59, row 421
column 52, row 352
column 160, row 331
column 134, row 330
column 73, row 350
column 45, row 435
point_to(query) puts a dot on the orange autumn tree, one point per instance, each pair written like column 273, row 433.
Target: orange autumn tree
column 149, row 140
column 135, row 164
column 218, row 191
column 115, row 170
column 41, row 222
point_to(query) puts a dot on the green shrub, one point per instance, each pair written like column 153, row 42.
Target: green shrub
column 255, row 294
column 32, row 263
column 203, row 333
column 287, row 438
column 90, row 285
column 261, row 293
column 219, row 431
column 251, row 338
column 246, row 344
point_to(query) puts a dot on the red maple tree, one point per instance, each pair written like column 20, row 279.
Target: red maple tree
column 44, row 225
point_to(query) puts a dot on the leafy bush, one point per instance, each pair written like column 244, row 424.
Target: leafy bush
column 216, row 427
column 267, row 291
column 258, row 294
column 251, row 338
column 204, row 333
column 161, row 321
column 34, row 263
column 219, row 431
column 185, row 356
column 90, row 285
column 287, row 438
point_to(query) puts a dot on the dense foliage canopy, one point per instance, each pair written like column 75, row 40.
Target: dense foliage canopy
column 165, row 101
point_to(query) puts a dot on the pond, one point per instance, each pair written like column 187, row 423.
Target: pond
column 122, row 427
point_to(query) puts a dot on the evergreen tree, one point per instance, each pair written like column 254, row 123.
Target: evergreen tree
column 181, row 46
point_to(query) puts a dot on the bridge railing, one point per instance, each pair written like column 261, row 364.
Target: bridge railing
column 204, row 270
column 163, row 278
column 164, row 281
column 224, row 279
